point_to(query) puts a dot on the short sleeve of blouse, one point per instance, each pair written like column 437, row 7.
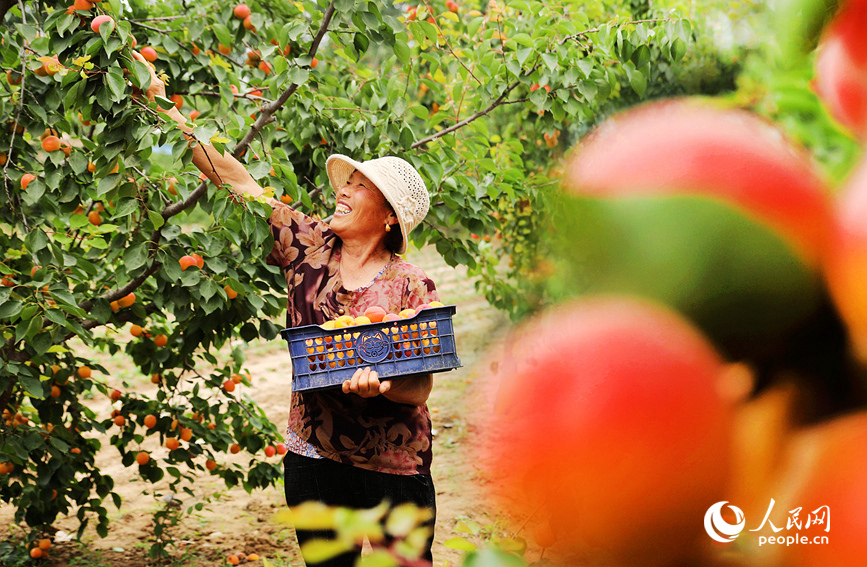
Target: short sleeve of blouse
column 296, row 236
column 420, row 289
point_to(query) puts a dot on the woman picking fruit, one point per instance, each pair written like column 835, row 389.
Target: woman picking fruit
column 370, row 440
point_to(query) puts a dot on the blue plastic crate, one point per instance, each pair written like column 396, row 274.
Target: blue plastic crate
column 420, row 344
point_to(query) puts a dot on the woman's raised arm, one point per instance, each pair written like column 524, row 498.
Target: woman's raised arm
column 221, row 169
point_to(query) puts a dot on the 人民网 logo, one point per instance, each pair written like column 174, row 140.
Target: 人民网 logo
column 720, row 530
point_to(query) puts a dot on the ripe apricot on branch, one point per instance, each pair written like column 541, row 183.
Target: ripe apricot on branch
column 126, row 300
column 51, row 143
column 186, row 262
column 26, row 179
column 83, row 5
column 84, row 371
column 230, row 293
column 142, row 458
column 149, row 53
column 50, row 66
column 99, row 21
column 161, row 340
column 241, row 11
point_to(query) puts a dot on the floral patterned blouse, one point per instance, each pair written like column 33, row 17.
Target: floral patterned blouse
column 371, row 433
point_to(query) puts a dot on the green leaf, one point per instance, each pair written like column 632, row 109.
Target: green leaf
column 107, row 183
column 223, row 34
column 460, row 544
column 73, row 94
column 588, row 90
column 29, row 32
column 638, row 82
column 135, row 256
column 10, row 309
column 526, row 41
column 36, row 240
column 141, row 75
column 401, row 50
column 678, row 49
column 126, row 207
column 641, row 56
column 259, row 169
column 208, row 289
column 429, row 30
column 319, row 550
column 419, row 110
column 163, row 102
column 156, row 218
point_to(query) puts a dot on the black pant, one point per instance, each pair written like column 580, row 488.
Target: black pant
column 336, row 484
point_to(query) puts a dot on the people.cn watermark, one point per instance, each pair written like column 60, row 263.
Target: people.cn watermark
column 723, row 531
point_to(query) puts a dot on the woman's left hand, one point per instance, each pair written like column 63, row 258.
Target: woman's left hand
column 365, row 382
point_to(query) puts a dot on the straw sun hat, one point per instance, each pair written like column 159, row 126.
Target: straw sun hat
column 396, row 179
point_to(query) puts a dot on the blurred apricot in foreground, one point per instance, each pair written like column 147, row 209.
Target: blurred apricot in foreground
column 829, row 466
column 846, row 268
column 685, row 147
column 841, row 67
column 612, row 423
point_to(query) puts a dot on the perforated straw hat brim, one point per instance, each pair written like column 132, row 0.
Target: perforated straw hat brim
column 397, row 180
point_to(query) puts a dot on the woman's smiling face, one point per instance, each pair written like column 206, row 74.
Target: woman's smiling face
column 361, row 209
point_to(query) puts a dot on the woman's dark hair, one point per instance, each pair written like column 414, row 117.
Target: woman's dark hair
column 393, row 238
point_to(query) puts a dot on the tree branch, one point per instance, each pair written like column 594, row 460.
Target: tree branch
column 268, row 110
column 155, row 19
column 458, row 125
column 596, row 29
column 147, row 27
column 248, row 96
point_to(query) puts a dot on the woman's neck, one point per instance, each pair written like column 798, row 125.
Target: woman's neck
column 361, row 254
column 361, row 262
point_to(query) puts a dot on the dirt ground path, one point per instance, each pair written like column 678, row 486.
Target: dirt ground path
column 235, row 521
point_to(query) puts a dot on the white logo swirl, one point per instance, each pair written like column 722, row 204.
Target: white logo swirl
column 719, row 529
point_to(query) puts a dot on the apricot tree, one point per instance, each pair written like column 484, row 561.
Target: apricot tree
column 106, row 227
